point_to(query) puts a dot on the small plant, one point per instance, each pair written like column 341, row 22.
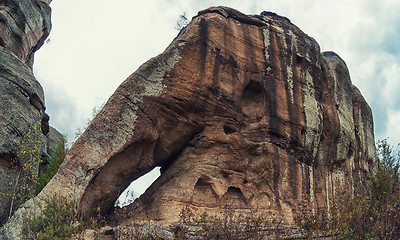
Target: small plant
column 126, row 198
column 186, row 217
column 347, row 233
column 306, row 220
column 389, row 160
column 51, row 169
column 56, row 221
column 29, row 154
column 22, row 181
column 182, row 22
column 374, row 213
column 95, row 111
column 231, row 225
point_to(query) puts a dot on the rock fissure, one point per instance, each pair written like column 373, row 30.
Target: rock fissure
column 239, row 109
column 24, row 26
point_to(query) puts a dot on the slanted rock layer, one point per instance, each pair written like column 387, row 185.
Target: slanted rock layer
column 239, row 111
column 24, row 26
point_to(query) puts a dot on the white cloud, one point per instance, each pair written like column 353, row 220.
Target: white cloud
column 393, row 128
column 391, row 89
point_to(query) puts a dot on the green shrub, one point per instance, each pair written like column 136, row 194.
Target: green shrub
column 56, row 221
column 375, row 213
column 307, row 220
column 388, row 159
column 22, row 182
column 231, row 225
column 369, row 218
column 51, row 169
column 28, row 155
column 95, row 111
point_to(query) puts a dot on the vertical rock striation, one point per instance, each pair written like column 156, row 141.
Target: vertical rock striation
column 239, row 111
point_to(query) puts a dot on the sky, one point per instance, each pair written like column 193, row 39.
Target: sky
column 96, row 44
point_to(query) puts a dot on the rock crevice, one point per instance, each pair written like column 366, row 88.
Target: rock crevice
column 24, row 26
column 240, row 111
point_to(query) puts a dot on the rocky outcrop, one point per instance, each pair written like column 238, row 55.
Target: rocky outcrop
column 239, row 111
column 24, row 26
column 24, row 124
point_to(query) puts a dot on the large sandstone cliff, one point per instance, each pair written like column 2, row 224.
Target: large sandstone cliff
column 239, row 111
column 24, row 26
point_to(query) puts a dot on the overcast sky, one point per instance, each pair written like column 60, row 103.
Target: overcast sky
column 97, row 44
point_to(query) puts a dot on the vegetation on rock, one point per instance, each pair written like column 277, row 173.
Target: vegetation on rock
column 373, row 213
column 26, row 162
column 57, row 221
column 51, row 169
column 182, row 22
column 95, row 111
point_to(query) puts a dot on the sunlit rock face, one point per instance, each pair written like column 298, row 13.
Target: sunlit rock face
column 253, row 116
column 239, row 111
column 24, row 26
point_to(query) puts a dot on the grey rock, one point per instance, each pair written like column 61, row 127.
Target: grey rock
column 22, row 105
column 53, row 138
column 260, row 129
column 24, row 27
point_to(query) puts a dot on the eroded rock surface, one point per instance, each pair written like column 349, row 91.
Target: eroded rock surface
column 239, row 111
column 24, row 25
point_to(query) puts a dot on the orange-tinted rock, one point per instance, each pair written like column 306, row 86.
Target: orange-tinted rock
column 24, row 26
column 239, row 111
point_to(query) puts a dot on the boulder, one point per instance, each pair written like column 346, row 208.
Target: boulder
column 241, row 112
column 24, row 124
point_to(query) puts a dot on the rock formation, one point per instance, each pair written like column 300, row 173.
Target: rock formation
column 239, row 111
column 24, row 26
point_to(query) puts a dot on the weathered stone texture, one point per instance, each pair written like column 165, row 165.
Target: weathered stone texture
column 239, row 111
column 24, row 25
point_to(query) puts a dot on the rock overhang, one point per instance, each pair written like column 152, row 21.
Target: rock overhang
column 244, row 100
column 250, row 114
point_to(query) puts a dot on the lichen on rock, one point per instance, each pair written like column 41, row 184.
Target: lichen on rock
column 241, row 111
column 24, row 27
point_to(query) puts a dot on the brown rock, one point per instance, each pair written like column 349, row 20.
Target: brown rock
column 24, row 27
column 239, row 111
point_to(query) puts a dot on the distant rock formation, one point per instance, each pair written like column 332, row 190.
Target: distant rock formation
column 239, row 111
column 24, row 26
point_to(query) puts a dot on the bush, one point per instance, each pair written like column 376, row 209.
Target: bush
column 56, row 221
column 231, row 225
column 307, row 220
column 28, row 155
column 376, row 214
column 51, row 169
column 22, row 181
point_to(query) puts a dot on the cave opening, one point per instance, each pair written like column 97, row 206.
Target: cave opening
column 253, row 100
column 137, row 188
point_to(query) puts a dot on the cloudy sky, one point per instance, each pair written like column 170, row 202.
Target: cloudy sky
column 96, row 44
